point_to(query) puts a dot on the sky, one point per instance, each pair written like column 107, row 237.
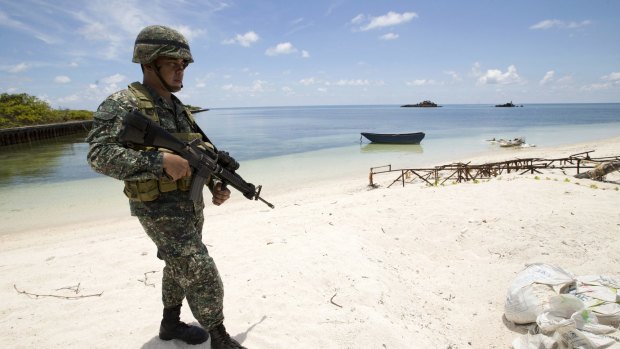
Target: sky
column 249, row 53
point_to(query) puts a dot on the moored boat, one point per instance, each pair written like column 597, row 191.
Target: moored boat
column 395, row 138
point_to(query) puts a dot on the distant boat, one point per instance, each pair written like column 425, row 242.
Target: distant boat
column 423, row 104
column 395, row 138
column 509, row 143
column 507, row 105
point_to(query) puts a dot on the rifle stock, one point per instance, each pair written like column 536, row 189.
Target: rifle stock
column 138, row 129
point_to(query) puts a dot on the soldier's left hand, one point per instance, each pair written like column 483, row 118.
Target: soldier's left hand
column 220, row 195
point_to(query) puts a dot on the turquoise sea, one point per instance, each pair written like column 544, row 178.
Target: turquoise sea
column 283, row 146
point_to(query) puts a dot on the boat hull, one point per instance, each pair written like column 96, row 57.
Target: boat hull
column 395, row 138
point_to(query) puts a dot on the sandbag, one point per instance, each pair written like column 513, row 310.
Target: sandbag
column 601, row 294
column 529, row 294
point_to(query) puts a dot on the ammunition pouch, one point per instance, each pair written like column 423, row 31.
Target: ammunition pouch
column 151, row 189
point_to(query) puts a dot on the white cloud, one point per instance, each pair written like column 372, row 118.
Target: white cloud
column 96, row 31
column 354, row 82
column 388, row 20
column 284, row 48
column 256, row 86
column 245, row 40
column 305, row 54
column 596, row 86
column 389, row 36
column 62, row 79
column 7, row 21
column 358, row 19
column 495, row 76
column 308, row 81
column 610, row 81
column 455, row 76
column 475, row 70
column 565, row 80
column 287, row 91
column 116, row 24
column 114, row 79
column 94, row 92
column 613, row 77
column 548, row 77
column 188, row 32
column 422, row 82
column 556, row 23
column 18, row 68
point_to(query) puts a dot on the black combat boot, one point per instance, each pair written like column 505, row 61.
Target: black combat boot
column 173, row 328
column 220, row 339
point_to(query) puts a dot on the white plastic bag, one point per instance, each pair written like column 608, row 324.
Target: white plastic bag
column 529, row 294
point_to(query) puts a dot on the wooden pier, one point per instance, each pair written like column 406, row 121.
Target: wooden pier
column 29, row 134
column 461, row 172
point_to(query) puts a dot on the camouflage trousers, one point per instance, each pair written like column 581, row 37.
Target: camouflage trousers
column 189, row 271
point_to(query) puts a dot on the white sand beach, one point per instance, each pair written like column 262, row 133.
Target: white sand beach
column 335, row 265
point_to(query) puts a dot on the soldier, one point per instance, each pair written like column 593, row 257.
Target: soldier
column 157, row 184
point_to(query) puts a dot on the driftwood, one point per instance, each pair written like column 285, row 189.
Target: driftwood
column 75, row 289
column 331, row 300
column 146, row 277
column 600, row 171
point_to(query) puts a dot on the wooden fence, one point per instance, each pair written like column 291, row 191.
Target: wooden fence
column 460, row 172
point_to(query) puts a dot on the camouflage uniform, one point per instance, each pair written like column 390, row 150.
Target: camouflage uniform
column 172, row 221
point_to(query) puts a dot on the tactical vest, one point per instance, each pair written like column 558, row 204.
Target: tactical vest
column 150, row 189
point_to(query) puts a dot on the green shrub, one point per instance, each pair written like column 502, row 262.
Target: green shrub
column 24, row 110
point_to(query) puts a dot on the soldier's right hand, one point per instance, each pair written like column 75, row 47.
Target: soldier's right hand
column 175, row 166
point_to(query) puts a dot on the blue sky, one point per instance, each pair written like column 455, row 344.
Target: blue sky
column 74, row 53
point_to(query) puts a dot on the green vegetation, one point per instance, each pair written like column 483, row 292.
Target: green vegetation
column 24, row 110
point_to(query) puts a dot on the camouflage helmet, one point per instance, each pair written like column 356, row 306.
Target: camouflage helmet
column 158, row 40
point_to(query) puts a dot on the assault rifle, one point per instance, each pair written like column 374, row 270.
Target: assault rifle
column 138, row 129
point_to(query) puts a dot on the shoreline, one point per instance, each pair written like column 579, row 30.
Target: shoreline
column 278, row 175
column 335, row 265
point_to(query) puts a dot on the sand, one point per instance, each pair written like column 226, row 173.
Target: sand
column 335, row 265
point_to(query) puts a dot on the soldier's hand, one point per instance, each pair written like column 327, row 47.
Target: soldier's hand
column 175, row 166
column 220, row 195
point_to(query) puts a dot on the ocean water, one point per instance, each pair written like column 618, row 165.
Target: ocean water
column 262, row 133
column 255, row 133
column 283, row 146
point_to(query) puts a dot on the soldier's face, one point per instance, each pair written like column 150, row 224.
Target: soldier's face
column 171, row 71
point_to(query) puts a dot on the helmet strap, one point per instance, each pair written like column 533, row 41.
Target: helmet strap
column 161, row 79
